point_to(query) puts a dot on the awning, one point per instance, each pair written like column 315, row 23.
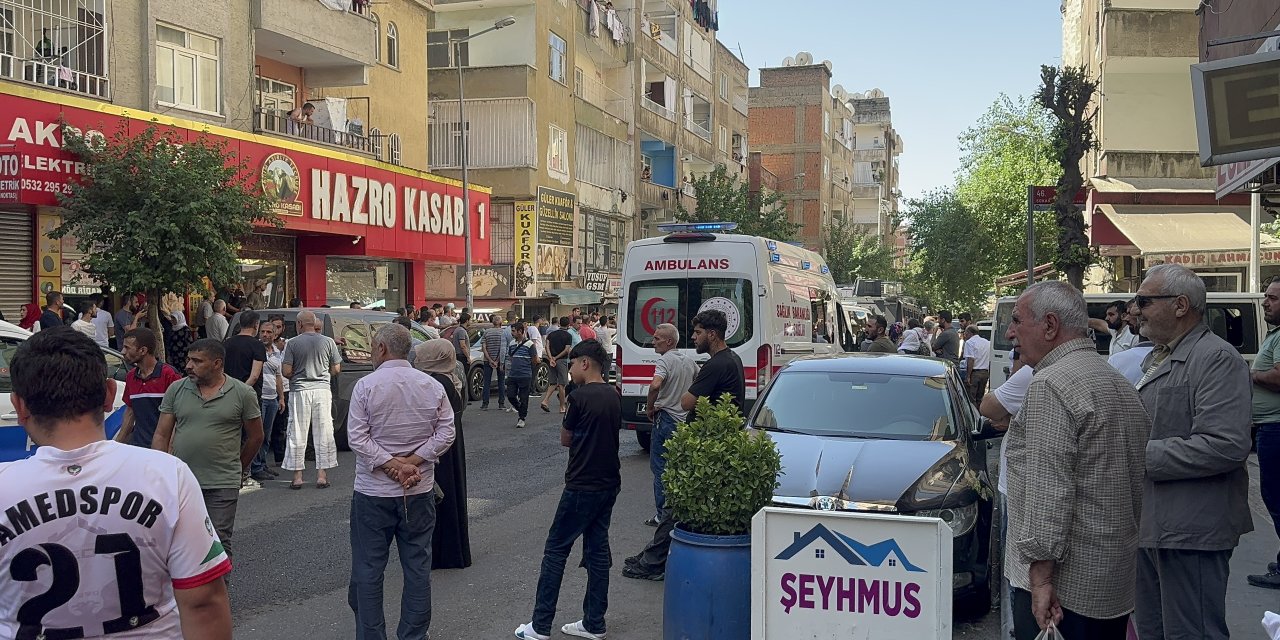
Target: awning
column 1203, row 236
column 1143, row 185
column 574, row 296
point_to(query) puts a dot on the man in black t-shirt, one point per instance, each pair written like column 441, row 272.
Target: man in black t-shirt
column 591, row 485
column 245, row 352
column 558, row 344
column 720, row 374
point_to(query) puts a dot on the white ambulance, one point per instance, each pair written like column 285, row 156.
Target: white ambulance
column 780, row 301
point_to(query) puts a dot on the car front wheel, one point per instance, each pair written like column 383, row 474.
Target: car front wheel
column 475, row 382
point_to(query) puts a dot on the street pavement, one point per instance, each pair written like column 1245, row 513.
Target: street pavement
column 293, row 551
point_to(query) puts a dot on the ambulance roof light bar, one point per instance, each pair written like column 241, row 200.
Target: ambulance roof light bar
column 697, row 227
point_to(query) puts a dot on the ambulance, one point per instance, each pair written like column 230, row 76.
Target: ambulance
column 779, row 299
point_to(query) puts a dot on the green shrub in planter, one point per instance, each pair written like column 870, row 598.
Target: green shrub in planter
column 718, row 474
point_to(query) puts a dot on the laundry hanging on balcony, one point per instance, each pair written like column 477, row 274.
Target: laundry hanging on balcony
column 704, row 15
column 593, row 20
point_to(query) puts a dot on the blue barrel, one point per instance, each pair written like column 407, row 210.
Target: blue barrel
column 708, row 588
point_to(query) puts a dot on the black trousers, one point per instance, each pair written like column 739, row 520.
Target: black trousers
column 1073, row 625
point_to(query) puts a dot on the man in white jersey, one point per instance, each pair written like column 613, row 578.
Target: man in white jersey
column 87, row 518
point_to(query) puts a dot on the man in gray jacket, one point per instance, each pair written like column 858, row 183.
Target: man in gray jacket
column 1195, row 502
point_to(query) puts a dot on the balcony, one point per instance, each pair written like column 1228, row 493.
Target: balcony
column 55, row 44
column 501, row 135
column 873, row 154
column 740, row 104
column 658, row 195
column 658, row 44
column 699, row 129
column 602, row 97
column 354, row 140
column 336, row 46
column 665, row 112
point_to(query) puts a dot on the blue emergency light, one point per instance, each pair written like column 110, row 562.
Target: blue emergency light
column 825, row 270
column 697, row 227
column 805, row 265
column 770, row 245
column 775, row 258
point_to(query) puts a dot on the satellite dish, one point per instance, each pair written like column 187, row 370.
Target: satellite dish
column 858, row 96
column 804, row 58
column 876, row 93
column 839, row 92
column 827, row 64
column 788, row 61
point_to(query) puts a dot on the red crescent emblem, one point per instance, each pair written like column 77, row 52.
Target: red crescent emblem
column 644, row 314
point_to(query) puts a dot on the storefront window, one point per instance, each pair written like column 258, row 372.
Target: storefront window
column 371, row 283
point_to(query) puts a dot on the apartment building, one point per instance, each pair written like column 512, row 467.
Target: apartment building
column 834, row 153
column 1150, row 200
column 362, row 220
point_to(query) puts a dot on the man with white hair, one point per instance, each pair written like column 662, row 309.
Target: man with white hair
column 399, row 425
column 1195, row 504
column 1075, row 456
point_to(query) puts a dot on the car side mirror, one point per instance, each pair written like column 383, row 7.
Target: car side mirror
column 986, row 430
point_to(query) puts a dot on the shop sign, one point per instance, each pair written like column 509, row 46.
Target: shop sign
column 398, row 213
column 487, row 282
column 614, row 287
column 836, row 575
column 596, row 281
column 526, row 267
column 1214, row 258
column 9, row 174
column 76, row 281
column 555, row 217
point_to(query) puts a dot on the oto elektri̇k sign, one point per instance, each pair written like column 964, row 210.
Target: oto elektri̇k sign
column 834, row 574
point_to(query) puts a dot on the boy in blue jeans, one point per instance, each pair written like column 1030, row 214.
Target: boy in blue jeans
column 591, row 485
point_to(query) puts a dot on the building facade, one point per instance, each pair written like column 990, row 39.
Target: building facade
column 1150, row 200
column 834, row 153
column 361, row 222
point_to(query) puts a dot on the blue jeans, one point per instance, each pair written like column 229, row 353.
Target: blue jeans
column 270, row 407
column 663, row 427
column 488, row 379
column 1269, row 470
column 374, row 522
column 582, row 514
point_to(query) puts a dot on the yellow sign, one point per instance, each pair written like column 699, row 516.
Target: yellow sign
column 525, row 285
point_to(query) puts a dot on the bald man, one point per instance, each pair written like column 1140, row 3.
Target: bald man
column 310, row 360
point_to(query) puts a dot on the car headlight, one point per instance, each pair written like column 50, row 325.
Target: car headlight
column 960, row 519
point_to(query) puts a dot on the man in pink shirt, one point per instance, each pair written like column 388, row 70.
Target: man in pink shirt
column 584, row 328
column 399, row 425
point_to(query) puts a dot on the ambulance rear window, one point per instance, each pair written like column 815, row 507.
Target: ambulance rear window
column 677, row 300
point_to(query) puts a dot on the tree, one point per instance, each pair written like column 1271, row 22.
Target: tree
column 853, row 254
column 725, row 198
column 1008, row 149
column 158, row 213
column 1067, row 94
column 950, row 262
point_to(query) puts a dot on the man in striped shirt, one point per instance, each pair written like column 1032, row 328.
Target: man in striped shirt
column 144, row 388
column 494, row 361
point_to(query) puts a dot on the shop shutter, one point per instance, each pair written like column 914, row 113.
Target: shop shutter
column 17, row 261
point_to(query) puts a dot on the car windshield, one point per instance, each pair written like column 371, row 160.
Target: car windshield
column 857, row 405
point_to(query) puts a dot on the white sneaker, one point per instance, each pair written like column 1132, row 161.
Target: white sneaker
column 526, row 632
column 520, row 424
column 576, row 629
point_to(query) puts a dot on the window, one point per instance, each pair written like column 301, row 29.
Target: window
column 889, row 407
column 826, row 125
column 558, row 151
column 502, row 224
column 724, row 138
column 277, row 96
column 677, row 300
column 6, row 42
column 377, row 38
column 826, row 168
column 187, row 70
column 393, row 45
column 375, row 142
column 394, row 145
column 559, row 53
column 440, row 50
column 724, row 87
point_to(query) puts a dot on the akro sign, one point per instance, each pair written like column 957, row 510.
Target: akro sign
column 824, row 574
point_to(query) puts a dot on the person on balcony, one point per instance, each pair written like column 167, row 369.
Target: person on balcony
column 300, row 118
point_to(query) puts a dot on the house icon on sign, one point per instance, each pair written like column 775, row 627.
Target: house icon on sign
column 883, row 553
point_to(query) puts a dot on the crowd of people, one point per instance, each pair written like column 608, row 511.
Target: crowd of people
column 959, row 342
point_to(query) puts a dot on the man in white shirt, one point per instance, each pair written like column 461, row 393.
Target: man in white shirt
column 977, row 357
column 84, row 324
column 104, row 327
column 1118, row 325
column 124, row 516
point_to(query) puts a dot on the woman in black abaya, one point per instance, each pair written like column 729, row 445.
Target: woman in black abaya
column 451, row 544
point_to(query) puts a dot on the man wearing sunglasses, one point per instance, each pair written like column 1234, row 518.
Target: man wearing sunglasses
column 1195, row 503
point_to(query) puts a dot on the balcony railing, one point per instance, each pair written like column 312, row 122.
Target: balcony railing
column 699, row 129
column 502, row 133
column 655, row 32
column 740, row 104
column 55, row 43
column 278, row 122
column 600, row 95
column 665, row 112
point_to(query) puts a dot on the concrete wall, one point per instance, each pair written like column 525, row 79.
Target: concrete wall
column 513, row 45
column 1245, row 17
column 1148, row 111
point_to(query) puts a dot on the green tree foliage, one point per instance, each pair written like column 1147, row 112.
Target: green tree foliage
column 949, row 249
column 1067, row 93
column 159, row 213
column 726, row 198
column 718, row 474
column 852, row 254
column 1008, row 149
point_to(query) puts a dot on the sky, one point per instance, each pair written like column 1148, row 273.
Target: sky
column 941, row 63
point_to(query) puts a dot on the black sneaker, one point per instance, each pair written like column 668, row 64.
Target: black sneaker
column 1269, row 580
column 638, row 574
column 263, row 476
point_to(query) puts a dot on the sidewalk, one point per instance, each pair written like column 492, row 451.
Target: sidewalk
column 1245, row 603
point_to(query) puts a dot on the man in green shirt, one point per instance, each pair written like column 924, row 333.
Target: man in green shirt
column 201, row 418
column 1266, row 418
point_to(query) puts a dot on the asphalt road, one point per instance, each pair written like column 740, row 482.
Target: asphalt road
column 293, row 551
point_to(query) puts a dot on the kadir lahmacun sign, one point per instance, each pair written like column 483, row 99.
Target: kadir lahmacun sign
column 1237, row 103
column 837, row 575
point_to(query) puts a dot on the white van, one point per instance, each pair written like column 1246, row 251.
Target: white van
column 1235, row 317
column 774, row 295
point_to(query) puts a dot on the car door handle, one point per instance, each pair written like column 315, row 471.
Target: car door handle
column 9, row 416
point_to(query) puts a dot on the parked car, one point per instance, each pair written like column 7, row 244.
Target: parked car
column 886, row 433
column 14, row 444
column 475, row 374
column 353, row 330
